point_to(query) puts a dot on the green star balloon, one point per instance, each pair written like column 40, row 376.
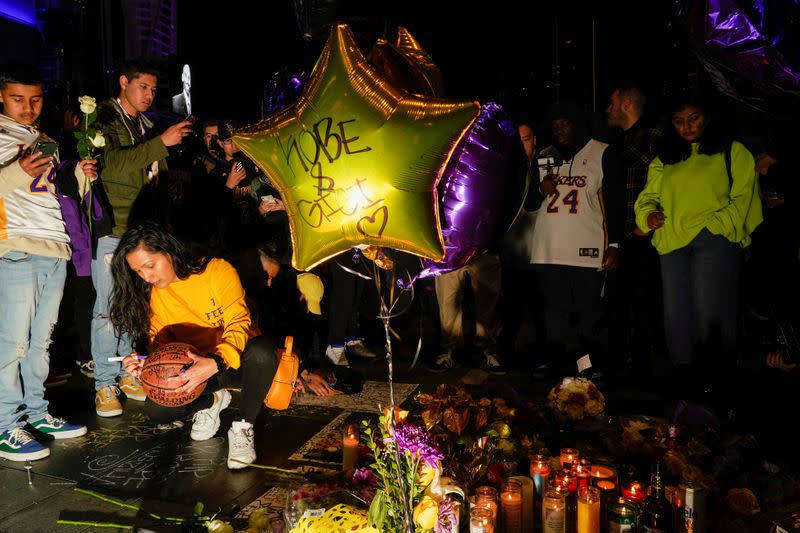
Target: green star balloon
column 357, row 160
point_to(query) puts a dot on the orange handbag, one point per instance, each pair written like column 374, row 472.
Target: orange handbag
column 285, row 380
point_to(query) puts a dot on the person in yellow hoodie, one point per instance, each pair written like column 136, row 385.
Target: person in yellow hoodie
column 701, row 202
column 164, row 294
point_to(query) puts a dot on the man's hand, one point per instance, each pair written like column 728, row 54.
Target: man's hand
column 133, row 364
column 548, row 185
column 202, row 368
column 775, row 360
column 763, row 162
column 315, row 382
column 235, row 176
column 33, row 167
column 175, row 133
column 655, row 220
column 267, row 206
column 610, row 258
column 89, row 167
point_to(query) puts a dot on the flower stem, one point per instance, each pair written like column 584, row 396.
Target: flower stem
column 93, row 524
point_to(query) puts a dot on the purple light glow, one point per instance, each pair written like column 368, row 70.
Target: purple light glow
column 21, row 11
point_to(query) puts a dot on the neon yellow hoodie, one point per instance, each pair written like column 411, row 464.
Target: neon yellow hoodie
column 695, row 194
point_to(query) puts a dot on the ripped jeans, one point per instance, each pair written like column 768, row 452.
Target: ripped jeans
column 30, row 294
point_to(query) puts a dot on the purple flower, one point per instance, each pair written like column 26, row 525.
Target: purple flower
column 413, row 438
column 447, row 521
column 364, row 477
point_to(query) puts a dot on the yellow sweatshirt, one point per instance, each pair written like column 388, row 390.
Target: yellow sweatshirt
column 696, row 194
column 206, row 310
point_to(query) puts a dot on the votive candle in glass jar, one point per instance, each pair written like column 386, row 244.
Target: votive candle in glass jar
column 569, row 456
column 511, row 506
column 588, row 510
column 480, row 520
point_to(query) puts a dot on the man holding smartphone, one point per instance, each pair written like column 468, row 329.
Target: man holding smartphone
column 34, row 250
column 134, row 159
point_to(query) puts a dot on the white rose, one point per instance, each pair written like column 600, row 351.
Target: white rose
column 98, row 141
column 88, row 104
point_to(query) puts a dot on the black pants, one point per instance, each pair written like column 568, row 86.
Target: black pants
column 567, row 291
column 345, row 301
column 520, row 299
column 254, row 377
column 636, row 305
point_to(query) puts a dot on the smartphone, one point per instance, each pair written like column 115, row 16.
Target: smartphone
column 237, row 166
column 47, row 148
column 269, row 198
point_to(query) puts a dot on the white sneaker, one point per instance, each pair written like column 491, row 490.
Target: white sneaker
column 241, row 447
column 205, row 422
column 336, row 354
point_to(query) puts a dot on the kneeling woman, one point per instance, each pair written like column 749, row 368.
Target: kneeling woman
column 164, row 294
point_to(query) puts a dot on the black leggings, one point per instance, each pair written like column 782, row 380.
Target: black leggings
column 253, row 377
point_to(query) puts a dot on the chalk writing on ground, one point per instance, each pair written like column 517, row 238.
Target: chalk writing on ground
column 153, row 465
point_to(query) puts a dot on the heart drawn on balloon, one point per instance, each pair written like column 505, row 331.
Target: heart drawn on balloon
column 370, row 221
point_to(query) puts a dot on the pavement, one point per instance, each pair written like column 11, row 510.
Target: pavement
column 162, row 471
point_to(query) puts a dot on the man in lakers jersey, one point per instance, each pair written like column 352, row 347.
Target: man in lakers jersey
column 580, row 202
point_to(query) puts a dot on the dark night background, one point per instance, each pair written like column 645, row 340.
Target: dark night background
column 524, row 55
column 485, row 50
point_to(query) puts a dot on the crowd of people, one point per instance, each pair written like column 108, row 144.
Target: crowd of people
column 635, row 245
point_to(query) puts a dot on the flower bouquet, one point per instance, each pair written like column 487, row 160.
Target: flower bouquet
column 575, row 399
column 408, row 466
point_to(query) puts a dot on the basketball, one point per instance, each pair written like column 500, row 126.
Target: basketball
column 161, row 375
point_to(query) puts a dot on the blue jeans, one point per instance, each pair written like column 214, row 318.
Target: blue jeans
column 30, row 293
column 105, row 343
column 701, row 285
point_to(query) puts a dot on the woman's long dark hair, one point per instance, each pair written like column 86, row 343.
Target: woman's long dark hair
column 715, row 138
column 130, row 294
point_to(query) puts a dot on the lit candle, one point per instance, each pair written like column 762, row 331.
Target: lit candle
column 486, row 497
column 567, row 481
column 480, row 520
column 554, row 511
column 633, row 491
column 622, row 515
column 608, row 493
column 600, row 472
column 540, row 471
column 589, row 510
column 569, row 455
column 583, row 471
column 568, row 485
column 350, row 447
column 527, row 502
column 486, row 502
column 511, row 506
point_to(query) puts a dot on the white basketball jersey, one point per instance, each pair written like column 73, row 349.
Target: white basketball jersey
column 571, row 224
column 30, row 211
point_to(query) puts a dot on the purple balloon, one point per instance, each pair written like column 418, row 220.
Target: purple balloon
column 282, row 90
column 474, row 189
column 729, row 31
